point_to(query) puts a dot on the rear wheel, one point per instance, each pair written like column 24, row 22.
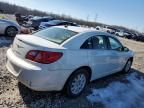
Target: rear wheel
column 108, row 31
column 77, row 83
column 127, row 66
column 11, row 31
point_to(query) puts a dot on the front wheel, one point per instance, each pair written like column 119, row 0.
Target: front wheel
column 127, row 66
column 77, row 83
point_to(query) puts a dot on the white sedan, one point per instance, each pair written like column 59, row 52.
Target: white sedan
column 67, row 58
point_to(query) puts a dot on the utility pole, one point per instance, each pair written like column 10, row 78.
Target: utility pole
column 87, row 18
column 96, row 16
column 143, row 30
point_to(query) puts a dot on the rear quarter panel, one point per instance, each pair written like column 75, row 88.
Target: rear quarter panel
column 76, row 58
column 67, row 64
column 71, row 60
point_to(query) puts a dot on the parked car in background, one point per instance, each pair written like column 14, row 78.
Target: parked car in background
column 111, row 30
column 140, row 37
column 66, row 57
column 120, row 33
column 127, row 35
column 9, row 28
column 98, row 27
column 108, row 29
column 44, row 25
column 30, row 17
column 36, row 21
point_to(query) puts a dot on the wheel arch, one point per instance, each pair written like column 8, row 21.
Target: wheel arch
column 17, row 29
column 9, row 27
column 82, row 67
column 131, row 58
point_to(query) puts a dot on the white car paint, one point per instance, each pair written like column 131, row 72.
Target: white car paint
column 48, row 77
column 120, row 33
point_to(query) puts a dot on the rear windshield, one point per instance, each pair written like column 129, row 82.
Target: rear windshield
column 56, row 35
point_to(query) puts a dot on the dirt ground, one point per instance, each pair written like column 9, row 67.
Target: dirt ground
column 16, row 95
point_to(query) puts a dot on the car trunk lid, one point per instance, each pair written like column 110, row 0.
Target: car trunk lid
column 24, row 43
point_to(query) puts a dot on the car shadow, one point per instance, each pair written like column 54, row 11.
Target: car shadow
column 34, row 99
column 120, row 76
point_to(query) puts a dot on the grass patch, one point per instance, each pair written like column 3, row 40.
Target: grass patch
column 7, row 16
column 2, row 16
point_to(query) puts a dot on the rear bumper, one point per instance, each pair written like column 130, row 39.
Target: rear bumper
column 35, row 77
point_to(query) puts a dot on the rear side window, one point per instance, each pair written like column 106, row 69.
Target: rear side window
column 56, row 35
column 95, row 42
column 87, row 44
column 99, row 42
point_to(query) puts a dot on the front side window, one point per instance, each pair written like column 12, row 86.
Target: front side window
column 114, row 44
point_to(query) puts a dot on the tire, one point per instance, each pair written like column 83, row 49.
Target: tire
column 127, row 66
column 108, row 31
column 117, row 34
column 36, row 28
column 11, row 31
column 74, row 86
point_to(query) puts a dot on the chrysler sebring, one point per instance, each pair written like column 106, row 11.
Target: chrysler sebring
column 66, row 58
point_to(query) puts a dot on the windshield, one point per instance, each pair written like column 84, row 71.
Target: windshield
column 56, row 35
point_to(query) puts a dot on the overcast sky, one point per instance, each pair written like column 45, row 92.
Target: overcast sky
column 129, row 13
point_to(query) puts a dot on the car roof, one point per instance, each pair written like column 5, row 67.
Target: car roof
column 83, row 33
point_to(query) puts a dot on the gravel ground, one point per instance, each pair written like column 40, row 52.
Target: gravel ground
column 16, row 95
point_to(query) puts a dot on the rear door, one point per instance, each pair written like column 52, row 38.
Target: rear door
column 98, row 56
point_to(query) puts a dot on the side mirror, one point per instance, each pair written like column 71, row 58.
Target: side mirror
column 125, row 49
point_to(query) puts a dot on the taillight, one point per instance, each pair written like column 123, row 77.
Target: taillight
column 44, row 57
